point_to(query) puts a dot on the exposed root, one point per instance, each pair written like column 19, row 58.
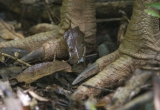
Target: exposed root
column 114, row 74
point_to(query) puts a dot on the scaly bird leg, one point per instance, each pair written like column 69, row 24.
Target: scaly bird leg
column 96, row 67
column 117, row 72
column 48, row 50
column 35, row 55
column 73, row 13
column 139, row 47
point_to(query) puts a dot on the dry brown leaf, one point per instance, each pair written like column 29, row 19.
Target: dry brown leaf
column 40, row 70
column 7, row 31
column 76, row 45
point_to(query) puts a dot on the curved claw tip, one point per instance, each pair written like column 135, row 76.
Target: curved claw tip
column 11, row 51
column 90, row 71
column 34, row 55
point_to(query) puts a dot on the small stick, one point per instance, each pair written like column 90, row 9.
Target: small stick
column 91, row 55
column 151, row 68
column 98, row 88
column 18, row 60
column 110, row 19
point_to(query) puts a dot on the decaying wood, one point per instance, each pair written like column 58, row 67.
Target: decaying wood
column 40, row 70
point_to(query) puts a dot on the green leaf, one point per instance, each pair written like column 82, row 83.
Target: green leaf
column 154, row 5
column 89, row 105
column 152, row 13
column 92, row 107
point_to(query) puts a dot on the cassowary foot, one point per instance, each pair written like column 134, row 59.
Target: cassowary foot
column 52, row 42
column 34, row 55
column 46, row 51
column 140, row 46
column 50, row 49
column 11, row 51
column 97, row 66
column 112, row 75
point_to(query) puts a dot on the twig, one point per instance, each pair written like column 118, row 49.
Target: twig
column 91, row 55
column 110, row 19
column 98, row 88
column 16, row 59
column 151, row 68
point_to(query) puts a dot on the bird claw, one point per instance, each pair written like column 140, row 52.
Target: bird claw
column 90, row 71
column 34, row 55
column 11, row 51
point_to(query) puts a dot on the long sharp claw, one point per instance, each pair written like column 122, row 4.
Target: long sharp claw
column 35, row 55
column 12, row 50
column 90, row 71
